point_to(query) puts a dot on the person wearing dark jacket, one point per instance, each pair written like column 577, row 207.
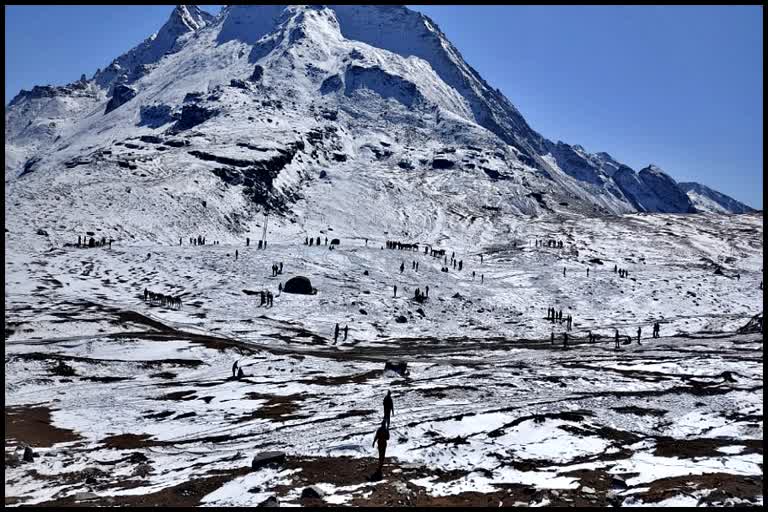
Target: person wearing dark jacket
column 389, row 407
column 381, row 437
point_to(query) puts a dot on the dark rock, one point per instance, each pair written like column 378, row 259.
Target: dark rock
column 340, row 157
column 258, row 72
column 331, row 84
column 312, row 492
column 29, row 455
column 121, row 95
column 400, row 367
column 323, row 174
column 404, row 164
column 401, row 319
column 151, row 139
column 596, row 260
column 335, row 241
column 299, row 284
column 266, row 458
column 239, row 84
column 420, row 311
column 269, row 502
column 42, row 232
column 755, row 325
column 442, row 163
column 154, row 116
column 617, row 483
column 363, row 312
column 192, row 115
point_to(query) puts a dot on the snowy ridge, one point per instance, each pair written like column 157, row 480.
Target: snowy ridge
column 374, row 92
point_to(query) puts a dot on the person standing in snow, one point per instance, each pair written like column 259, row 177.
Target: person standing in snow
column 395, row 295
column 427, row 290
column 617, row 339
column 565, row 340
column 389, row 407
column 639, row 329
column 236, row 254
column 346, row 331
column 336, row 333
column 381, row 437
column 234, row 369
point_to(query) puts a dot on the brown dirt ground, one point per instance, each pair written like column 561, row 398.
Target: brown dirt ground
column 32, row 425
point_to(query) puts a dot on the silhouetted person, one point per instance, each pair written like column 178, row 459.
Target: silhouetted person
column 326, row 240
column 461, row 264
column 311, row 241
column 318, row 241
column 280, row 288
column 381, row 437
column 617, row 338
column 587, row 272
column 473, row 275
column 565, row 340
column 615, row 268
column 639, row 329
column 389, row 408
column 336, row 333
column 78, row 241
column 427, row 290
column 234, row 369
column 236, row 254
column 482, row 278
column 146, row 293
column 563, row 271
column 552, row 337
column 346, row 331
column 395, row 295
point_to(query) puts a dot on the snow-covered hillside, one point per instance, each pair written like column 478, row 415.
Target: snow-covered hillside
column 262, row 108
column 705, row 199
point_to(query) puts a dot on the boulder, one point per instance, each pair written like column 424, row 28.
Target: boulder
column 401, row 319
column 120, row 95
column 335, row 241
column 265, row 458
column 42, row 232
column 29, row 455
column 755, row 325
column 400, row 367
column 300, row 285
column 312, row 492
column 269, row 502
column 85, row 496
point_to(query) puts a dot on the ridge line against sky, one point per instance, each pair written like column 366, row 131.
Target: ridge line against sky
column 675, row 86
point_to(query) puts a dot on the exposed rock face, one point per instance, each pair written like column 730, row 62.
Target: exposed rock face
column 266, row 458
column 121, row 95
column 705, row 199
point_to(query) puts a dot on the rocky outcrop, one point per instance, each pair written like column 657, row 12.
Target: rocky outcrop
column 121, row 95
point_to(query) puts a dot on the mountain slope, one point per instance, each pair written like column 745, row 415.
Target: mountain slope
column 264, row 108
column 707, row 200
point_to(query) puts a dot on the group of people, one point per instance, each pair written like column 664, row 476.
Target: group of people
column 420, row 296
column 266, row 297
column 310, row 241
column 382, row 433
column 92, row 242
column 558, row 244
column 164, row 300
column 277, row 269
column 402, row 246
column 621, row 271
column 557, row 316
column 336, row 333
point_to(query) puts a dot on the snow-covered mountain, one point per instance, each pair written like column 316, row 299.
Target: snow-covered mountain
column 705, row 199
column 297, row 110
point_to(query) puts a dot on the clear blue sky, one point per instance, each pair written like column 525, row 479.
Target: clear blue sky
column 680, row 86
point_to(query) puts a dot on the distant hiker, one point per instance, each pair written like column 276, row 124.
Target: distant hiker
column 389, row 407
column 336, row 333
column 395, row 295
column 366, row 242
column 427, row 290
column 563, row 271
column 589, row 336
column 454, row 264
column 381, row 437
column 280, row 288
column 402, row 267
column 552, row 337
column 318, row 241
column 481, row 258
column 617, row 339
column 473, row 275
column 565, row 340
column 306, row 241
column 78, row 240
column 146, row 294
column 482, row 278
column 311, row 241
column 280, row 270
column 263, row 297
column 270, row 302
column 738, row 277
column 346, row 331
column 639, row 329
column 461, row 264
column 326, row 240
column 587, row 272
column 247, row 242
column 615, row 268
column 234, row 369
column 417, row 266
column 236, row 254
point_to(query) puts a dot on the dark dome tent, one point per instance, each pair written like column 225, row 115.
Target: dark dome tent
column 298, row 284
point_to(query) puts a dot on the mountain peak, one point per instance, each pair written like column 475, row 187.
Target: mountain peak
column 186, row 18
